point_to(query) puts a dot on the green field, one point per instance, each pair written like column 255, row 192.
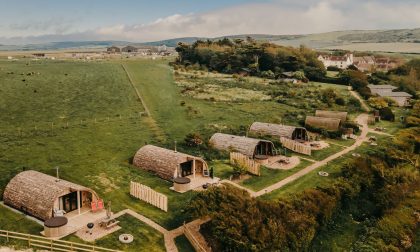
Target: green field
column 271, row 176
column 84, row 117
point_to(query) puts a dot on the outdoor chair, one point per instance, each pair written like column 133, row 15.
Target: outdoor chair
column 93, row 206
column 100, row 204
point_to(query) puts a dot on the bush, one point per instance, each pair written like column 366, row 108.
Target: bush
column 193, row 139
column 340, row 101
column 387, row 114
column 377, row 102
column 354, row 102
column 333, row 68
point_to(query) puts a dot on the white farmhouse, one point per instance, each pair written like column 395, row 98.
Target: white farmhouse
column 341, row 62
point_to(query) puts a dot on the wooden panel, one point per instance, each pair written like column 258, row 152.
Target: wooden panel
column 149, row 195
column 295, row 146
column 252, row 166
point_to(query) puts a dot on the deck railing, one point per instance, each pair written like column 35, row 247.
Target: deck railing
column 41, row 242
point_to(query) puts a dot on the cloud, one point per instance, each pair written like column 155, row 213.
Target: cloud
column 275, row 17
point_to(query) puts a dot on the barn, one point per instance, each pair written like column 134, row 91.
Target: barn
column 129, row 49
column 245, row 145
column 332, row 124
column 169, row 164
column 279, row 130
column 332, row 114
column 39, row 194
column 113, row 49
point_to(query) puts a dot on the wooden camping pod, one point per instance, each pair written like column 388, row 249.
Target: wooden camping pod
column 279, row 130
column 332, row 124
column 245, row 145
column 165, row 163
column 332, row 114
column 35, row 193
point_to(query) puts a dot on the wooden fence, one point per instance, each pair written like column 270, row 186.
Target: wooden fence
column 295, row 146
column 149, row 195
column 40, row 242
column 194, row 241
column 251, row 166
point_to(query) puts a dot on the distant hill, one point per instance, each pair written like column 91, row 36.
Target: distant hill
column 334, row 39
column 320, row 40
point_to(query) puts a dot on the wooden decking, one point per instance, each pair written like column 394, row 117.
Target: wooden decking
column 78, row 221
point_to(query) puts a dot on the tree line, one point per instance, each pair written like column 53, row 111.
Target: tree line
column 249, row 57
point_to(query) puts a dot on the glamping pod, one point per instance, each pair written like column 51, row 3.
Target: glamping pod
column 332, row 114
column 245, row 145
column 332, row 124
column 279, row 130
column 169, row 164
column 39, row 194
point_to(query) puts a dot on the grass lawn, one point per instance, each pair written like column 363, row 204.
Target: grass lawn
column 145, row 237
column 312, row 179
column 271, row 176
column 9, row 220
column 222, row 168
column 183, row 244
column 324, row 153
column 392, row 127
column 342, row 142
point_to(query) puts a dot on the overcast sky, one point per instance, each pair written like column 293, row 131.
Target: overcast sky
column 37, row 21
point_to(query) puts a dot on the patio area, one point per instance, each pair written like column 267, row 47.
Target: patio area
column 282, row 162
column 197, row 182
column 78, row 221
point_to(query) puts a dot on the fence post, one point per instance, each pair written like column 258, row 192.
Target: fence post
column 29, row 240
column 7, row 236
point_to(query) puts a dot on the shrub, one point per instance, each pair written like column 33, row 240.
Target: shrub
column 387, row 114
column 354, row 102
column 333, row 68
column 193, row 139
column 340, row 101
column 377, row 102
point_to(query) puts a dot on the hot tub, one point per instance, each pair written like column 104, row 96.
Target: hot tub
column 262, row 159
column 55, row 227
column 182, row 184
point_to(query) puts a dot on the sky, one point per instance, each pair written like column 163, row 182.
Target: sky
column 39, row 21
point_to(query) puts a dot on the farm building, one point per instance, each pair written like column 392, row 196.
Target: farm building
column 129, row 49
column 113, row 49
column 323, row 122
column 279, row 130
column 169, row 164
column 377, row 89
column 332, row 114
column 39, row 195
column 401, row 98
column 245, row 145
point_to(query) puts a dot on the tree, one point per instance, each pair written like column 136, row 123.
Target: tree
column 328, row 96
column 387, row 114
